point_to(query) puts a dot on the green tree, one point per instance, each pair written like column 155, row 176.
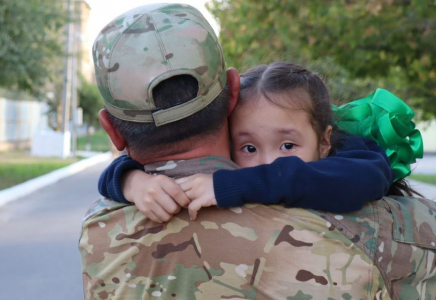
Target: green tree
column 368, row 43
column 91, row 102
column 31, row 43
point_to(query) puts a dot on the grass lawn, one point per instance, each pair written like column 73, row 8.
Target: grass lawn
column 431, row 179
column 99, row 142
column 18, row 166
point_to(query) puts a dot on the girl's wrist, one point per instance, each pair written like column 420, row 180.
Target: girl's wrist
column 128, row 184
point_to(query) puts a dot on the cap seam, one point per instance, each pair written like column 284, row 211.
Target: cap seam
column 172, row 4
column 216, row 41
column 116, row 112
column 158, row 123
column 161, row 46
column 110, row 58
column 128, row 109
column 180, row 18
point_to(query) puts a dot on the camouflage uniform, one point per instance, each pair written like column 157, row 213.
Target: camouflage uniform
column 384, row 251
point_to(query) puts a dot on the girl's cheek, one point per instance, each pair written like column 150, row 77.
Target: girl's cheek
column 246, row 161
column 242, row 159
column 237, row 158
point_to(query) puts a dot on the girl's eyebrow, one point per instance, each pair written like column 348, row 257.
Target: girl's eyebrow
column 244, row 133
column 288, row 131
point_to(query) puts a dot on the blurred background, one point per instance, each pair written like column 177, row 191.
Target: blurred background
column 52, row 148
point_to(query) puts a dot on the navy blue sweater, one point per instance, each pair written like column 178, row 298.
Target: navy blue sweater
column 359, row 172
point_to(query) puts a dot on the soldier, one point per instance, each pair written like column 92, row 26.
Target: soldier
column 384, row 251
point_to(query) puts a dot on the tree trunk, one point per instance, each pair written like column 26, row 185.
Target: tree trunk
column 88, row 138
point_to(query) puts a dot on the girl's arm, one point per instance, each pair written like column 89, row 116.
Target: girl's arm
column 109, row 183
column 158, row 197
column 358, row 173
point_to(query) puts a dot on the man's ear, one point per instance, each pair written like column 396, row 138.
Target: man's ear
column 115, row 136
column 325, row 144
column 234, row 82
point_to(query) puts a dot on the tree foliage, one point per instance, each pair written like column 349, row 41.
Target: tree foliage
column 31, row 43
column 363, row 44
column 91, row 102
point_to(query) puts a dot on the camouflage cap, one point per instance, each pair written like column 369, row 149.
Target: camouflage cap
column 151, row 43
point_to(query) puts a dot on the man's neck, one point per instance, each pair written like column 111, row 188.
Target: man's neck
column 217, row 146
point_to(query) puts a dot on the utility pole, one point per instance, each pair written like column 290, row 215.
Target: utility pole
column 66, row 91
column 74, row 85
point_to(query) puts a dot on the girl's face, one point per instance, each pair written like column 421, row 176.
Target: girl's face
column 262, row 131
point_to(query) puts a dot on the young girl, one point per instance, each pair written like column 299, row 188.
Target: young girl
column 290, row 150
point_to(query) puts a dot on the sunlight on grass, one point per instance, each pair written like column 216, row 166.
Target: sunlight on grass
column 99, row 141
column 431, row 179
column 18, row 166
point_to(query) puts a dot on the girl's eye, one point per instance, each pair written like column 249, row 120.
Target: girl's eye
column 287, row 146
column 249, row 149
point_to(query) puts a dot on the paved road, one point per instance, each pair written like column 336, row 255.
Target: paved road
column 39, row 258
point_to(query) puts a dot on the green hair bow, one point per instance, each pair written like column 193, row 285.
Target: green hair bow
column 385, row 118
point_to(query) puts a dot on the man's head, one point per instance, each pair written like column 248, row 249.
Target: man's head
column 161, row 72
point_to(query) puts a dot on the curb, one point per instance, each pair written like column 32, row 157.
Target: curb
column 25, row 188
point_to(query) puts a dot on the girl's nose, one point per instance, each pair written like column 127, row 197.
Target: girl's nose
column 268, row 158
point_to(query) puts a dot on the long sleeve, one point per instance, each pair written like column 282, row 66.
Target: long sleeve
column 109, row 183
column 358, row 173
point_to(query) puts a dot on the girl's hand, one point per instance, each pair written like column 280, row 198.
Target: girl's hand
column 199, row 189
column 158, row 197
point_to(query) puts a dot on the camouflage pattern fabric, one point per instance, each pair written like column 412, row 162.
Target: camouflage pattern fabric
column 399, row 235
column 251, row 252
column 151, row 43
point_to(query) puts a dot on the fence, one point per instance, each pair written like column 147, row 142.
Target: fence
column 19, row 120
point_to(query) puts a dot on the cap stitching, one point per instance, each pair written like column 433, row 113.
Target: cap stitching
column 216, row 41
column 110, row 57
column 161, row 46
column 174, row 4
column 198, row 16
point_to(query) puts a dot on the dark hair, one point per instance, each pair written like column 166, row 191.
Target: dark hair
column 280, row 77
column 148, row 140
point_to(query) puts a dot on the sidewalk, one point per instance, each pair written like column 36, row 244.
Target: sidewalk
column 427, row 190
column 30, row 186
column 426, row 165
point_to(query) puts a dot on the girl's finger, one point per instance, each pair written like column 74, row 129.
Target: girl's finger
column 160, row 213
column 182, row 180
column 152, row 217
column 191, row 195
column 176, row 193
column 193, row 209
column 168, row 204
column 186, row 186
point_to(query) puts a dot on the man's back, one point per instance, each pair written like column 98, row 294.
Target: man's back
column 252, row 252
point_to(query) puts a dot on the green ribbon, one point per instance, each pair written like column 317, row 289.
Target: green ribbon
column 385, row 118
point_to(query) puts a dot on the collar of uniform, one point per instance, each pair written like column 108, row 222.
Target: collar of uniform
column 182, row 168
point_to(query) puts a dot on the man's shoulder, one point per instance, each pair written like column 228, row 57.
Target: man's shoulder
column 102, row 205
column 399, row 235
column 412, row 220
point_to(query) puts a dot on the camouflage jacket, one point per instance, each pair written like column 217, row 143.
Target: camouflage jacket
column 384, row 251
